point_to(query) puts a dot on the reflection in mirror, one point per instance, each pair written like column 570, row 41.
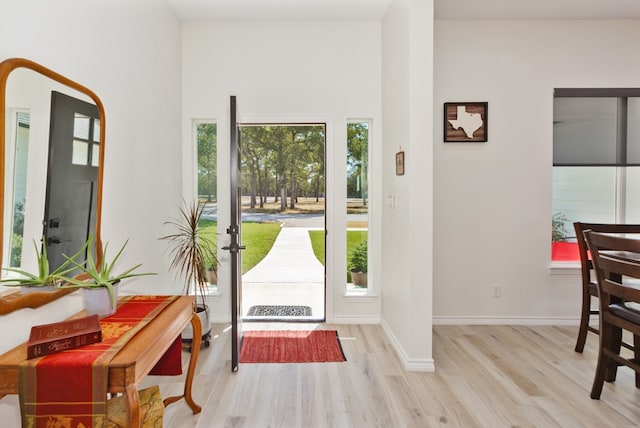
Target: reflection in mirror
column 21, row 156
column 70, row 203
column 25, row 107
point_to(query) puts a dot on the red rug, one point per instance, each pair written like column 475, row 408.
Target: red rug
column 317, row 346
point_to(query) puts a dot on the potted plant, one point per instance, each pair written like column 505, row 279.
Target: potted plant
column 358, row 264
column 44, row 279
column 190, row 251
column 97, row 279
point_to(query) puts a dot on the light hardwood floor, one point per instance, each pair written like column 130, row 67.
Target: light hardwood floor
column 487, row 376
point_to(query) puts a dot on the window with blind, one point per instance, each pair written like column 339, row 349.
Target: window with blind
column 596, row 162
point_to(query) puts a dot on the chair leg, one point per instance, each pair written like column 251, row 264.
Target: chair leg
column 614, row 344
column 598, row 380
column 603, row 362
column 584, row 323
column 636, row 355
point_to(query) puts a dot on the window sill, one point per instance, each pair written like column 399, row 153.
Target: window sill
column 359, row 294
column 212, row 292
column 564, row 268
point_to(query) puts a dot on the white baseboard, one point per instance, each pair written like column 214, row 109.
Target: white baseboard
column 469, row 320
column 354, row 319
column 411, row 364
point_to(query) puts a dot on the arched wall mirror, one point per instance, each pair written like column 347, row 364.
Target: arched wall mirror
column 49, row 191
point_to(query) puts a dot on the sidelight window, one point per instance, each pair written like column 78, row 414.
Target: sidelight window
column 357, row 204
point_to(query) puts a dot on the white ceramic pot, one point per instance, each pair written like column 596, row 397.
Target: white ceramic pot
column 98, row 301
column 187, row 333
column 45, row 288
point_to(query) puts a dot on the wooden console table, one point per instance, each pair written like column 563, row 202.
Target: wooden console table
column 134, row 361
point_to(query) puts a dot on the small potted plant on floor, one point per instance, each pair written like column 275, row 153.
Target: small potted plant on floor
column 358, row 264
column 97, row 279
column 44, row 279
column 190, row 251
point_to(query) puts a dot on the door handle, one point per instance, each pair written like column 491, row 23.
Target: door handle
column 54, row 240
column 234, row 248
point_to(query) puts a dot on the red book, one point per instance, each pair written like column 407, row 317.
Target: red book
column 60, row 336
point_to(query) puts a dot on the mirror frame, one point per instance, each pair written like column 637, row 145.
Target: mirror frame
column 12, row 300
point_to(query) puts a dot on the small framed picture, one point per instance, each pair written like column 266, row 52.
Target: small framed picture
column 466, row 122
column 400, row 163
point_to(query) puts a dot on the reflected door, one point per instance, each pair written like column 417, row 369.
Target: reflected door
column 72, row 177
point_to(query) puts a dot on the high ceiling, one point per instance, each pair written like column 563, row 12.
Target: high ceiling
column 375, row 9
column 279, row 9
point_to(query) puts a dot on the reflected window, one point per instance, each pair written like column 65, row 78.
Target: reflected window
column 96, row 130
column 80, row 152
column 81, row 126
column 95, row 147
column 357, row 204
column 86, row 138
column 19, row 186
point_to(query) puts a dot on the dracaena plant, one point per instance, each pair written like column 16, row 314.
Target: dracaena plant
column 96, row 273
column 191, row 250
column 44, row 277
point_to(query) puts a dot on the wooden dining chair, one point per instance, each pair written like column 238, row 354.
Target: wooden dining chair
column 589, row 287
column 616, row 261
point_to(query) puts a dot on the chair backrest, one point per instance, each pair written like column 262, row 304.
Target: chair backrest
column 585, row 260
column 615, row 259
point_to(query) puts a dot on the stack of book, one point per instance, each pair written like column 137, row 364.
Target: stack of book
column 60, row 336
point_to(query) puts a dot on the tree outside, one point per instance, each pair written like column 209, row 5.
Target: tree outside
column 281, row 164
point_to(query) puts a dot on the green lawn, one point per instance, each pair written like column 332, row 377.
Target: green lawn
column 354, row 237
column 257, row 237
column 317, row 243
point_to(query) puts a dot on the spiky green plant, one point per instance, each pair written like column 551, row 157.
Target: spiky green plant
column 98, row 273
column 44, row 277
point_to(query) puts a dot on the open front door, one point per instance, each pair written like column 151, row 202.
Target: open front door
column 235, row 242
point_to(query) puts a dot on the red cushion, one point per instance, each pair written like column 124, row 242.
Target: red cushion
column 565, row 252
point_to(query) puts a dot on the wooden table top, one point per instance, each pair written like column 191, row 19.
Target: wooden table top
column 135, row 359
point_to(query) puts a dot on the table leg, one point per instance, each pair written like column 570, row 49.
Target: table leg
column 132, row 406
column 193, row 361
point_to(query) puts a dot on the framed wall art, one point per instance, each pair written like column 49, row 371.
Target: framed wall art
column 400, row 163
column 466, row 122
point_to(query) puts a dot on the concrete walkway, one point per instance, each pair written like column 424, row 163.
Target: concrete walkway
column 290, row 274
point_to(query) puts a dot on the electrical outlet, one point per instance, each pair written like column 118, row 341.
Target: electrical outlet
column 496, row 290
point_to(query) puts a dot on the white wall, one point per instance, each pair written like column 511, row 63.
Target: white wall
column 128, row 52
column 407, row 233
column 291, row 71
column 492, row 202
column 111, row 48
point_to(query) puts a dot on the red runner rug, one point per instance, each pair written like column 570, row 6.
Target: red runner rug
column 70, row 388
column 317, row 346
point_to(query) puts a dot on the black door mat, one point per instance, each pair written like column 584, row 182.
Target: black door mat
column 279, row 311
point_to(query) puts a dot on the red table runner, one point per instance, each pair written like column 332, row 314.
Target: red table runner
column 70, row 388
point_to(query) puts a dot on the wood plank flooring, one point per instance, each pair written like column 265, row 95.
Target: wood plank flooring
column 487, row 376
